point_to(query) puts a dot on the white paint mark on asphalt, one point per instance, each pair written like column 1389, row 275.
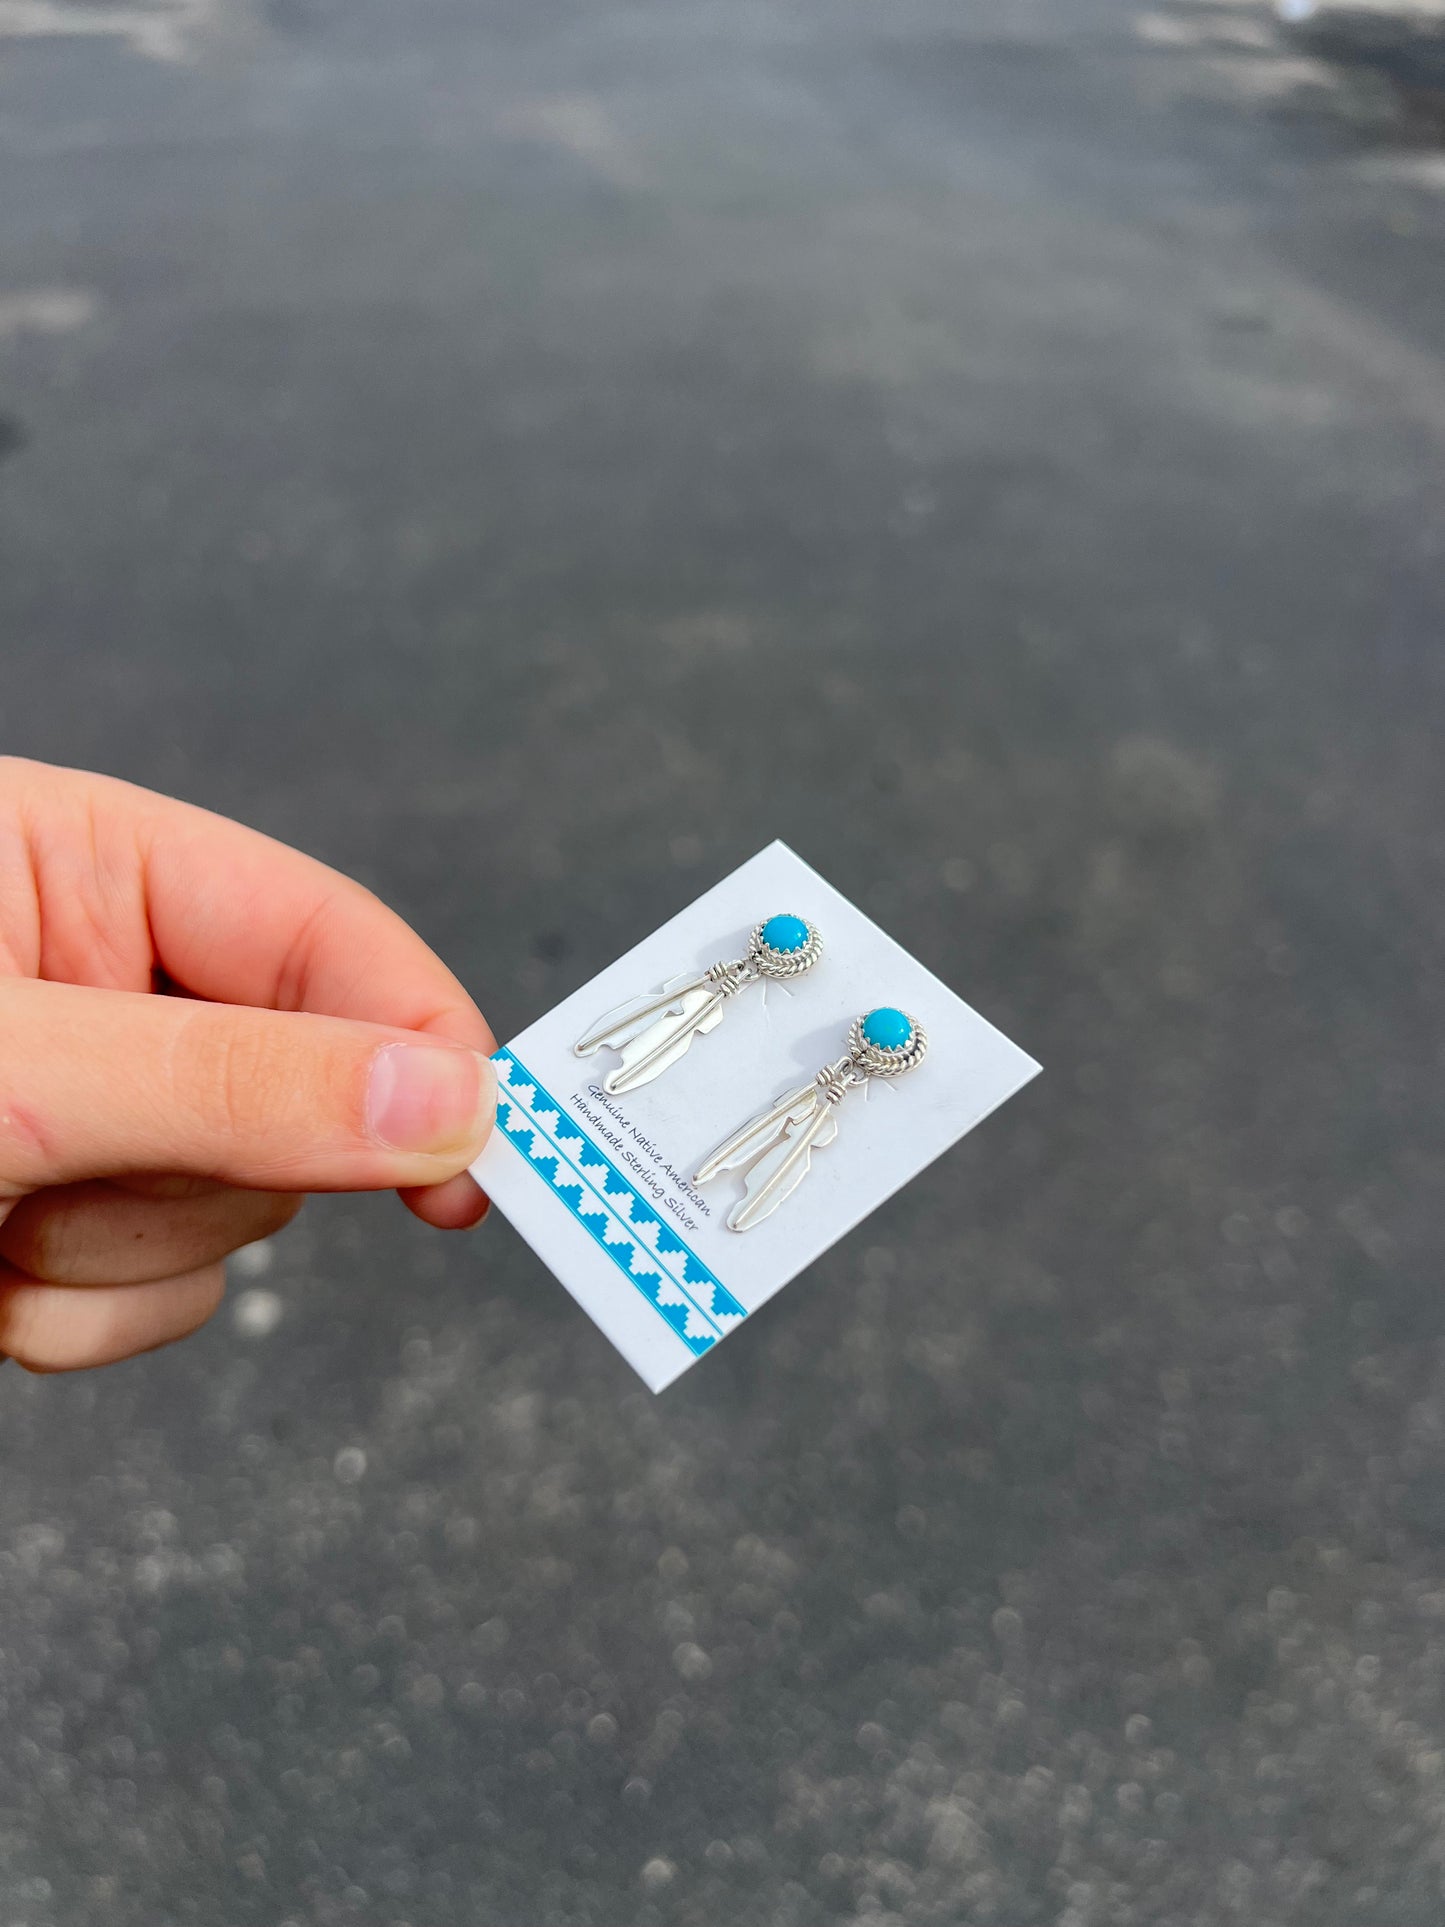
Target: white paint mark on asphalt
column 257, row 1313
column 582, row 126
column 162, row 30
column 44, row 311
column 1412, row 169
column 253, row 1260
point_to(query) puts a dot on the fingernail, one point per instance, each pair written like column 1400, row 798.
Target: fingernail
column 428, row 1097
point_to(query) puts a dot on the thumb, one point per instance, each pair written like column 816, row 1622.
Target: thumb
column 97, row 1083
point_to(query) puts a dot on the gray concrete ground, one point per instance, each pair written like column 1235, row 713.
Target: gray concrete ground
column 530, row 455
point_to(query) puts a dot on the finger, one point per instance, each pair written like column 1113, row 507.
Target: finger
column 97, row 1083
column 58, row 1328
column 225, row 912
column 454, row 1206
column 102, row 1234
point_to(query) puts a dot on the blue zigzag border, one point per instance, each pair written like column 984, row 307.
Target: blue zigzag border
column 691, row 1299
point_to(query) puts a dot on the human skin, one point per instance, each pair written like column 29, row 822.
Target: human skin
column 198, row 1026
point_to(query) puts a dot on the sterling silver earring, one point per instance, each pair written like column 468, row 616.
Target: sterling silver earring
column 778, row 1143
column 651, row 1033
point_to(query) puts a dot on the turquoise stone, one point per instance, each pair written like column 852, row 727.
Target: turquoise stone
column 887, row 1029
column 785, row 933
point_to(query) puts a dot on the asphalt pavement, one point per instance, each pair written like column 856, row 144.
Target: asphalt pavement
column 531, row 455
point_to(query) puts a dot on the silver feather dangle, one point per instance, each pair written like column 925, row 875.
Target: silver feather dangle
column 776, row 1147
column 651, row 1033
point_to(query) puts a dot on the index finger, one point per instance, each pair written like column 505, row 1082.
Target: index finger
column 239, row 918
column 109, row 881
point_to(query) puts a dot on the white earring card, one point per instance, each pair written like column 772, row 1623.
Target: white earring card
column 602, row 1187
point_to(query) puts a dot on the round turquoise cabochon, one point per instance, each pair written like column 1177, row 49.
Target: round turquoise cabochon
column 887, row 1029
column 785, row 933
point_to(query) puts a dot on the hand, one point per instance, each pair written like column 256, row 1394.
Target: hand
column 303, row 1039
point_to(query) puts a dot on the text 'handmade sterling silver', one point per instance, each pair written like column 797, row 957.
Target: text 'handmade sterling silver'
column 651, row 1033
column 778, row 1143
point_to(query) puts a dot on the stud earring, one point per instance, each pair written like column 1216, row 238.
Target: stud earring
column 778, row 1143
column 651, row 1033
